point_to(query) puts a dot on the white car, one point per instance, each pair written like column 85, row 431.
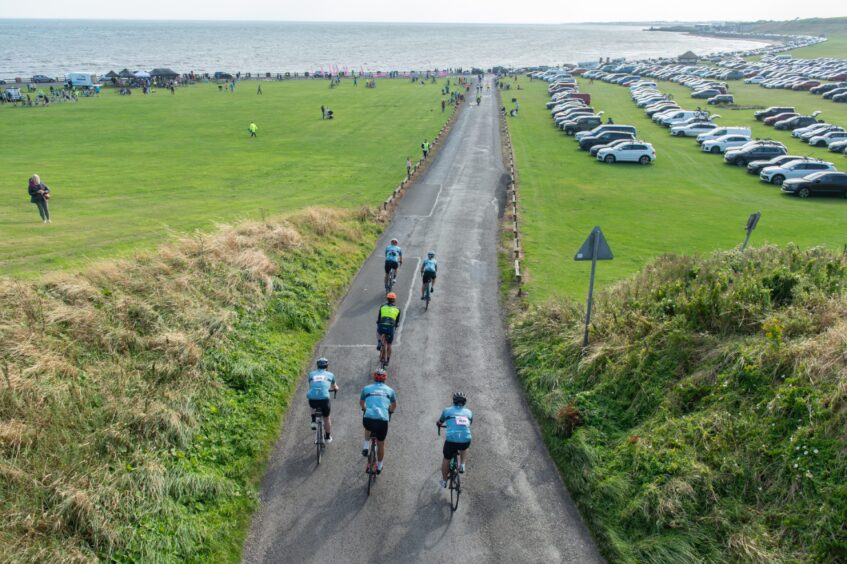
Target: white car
column 793, row 169
column 819, row 127
column 635, row 151
column 827, row 138
column 693, row 129
column 721, row 144
column 721, row 131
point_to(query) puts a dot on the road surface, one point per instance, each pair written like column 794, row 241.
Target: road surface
column 514, row 507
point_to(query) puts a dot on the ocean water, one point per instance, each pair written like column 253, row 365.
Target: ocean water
column 53, row 47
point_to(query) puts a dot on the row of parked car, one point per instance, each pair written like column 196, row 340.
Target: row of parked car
column 572, row 113
column 809, row 129
column 800, row 175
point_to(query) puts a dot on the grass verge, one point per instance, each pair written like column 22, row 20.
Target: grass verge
column 706, row 422
column 139, row 399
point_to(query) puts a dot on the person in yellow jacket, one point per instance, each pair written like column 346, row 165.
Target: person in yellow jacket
column 387, row 320
column 252, row 129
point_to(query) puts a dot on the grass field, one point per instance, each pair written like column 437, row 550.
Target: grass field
column 128, row 172
column 687, row 202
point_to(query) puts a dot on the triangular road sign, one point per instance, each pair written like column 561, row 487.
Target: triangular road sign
column 587, row 250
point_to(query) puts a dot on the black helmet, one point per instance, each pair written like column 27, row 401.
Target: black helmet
column 323, row 363
column 459, row 398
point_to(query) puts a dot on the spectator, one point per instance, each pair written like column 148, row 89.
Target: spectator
column 408, row 167
column 39, row 193
column 259, row 90
column 323, row 112
column 252, row 129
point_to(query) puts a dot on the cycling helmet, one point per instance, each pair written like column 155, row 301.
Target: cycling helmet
column 323, row 363
column 391, row 296
column 459, row 398
column 395, row 242
column 380, row 375
column 430, row 254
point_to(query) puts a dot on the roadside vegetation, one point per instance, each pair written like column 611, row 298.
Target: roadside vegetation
column 706, row 421
column 139, row 399
column 128, row 172
column 687, row 202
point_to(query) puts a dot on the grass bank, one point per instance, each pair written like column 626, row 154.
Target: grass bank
column 706, row 423
column 130, row 172
column 687, row 202
column 139, row 399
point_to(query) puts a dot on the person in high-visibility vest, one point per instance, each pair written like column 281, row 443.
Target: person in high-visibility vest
column 252, row 129
column 387, row 319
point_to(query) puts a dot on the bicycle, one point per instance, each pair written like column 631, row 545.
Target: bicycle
column 454, row 479
column 371, row 468
column 320, row 440
column 384, row 357
column 427, row 294
column 392, row 278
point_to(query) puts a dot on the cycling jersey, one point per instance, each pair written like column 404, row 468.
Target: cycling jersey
column 458, row 421
column 393, row 253
column 388, row 315
column 319, row 383
column 377, row 397
column 430, row 265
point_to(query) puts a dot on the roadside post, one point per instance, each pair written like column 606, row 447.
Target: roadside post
column 595, row 248
column 752, row 222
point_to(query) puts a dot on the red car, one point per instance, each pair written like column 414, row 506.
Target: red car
column 779, row 117
column 839, row 76
column 806, row 85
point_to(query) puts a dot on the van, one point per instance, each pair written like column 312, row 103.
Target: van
column 78, row 79
column 721, row 131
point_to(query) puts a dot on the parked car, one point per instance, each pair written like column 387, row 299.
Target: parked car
column 596, row 148
column 721, row 144
column 721, row 131
column 819, row 131
column 779, row 117
column 692, row 129
column 603, row 138
column 794, row 169
column 838, row 146
column 827, row 138
column 40, row 78
column 756, row 167
column 636, row 152
column 772, row 111
column 754, row 152
column 707, row 93
column 840, row 98
column 834, row 92
column 583, row 123
column 796, row 121
column 605, row 127
column 222, row 76
column 820, row 184
column 721, row 99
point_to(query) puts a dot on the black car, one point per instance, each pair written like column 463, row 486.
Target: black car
column 222, row 76
column 824, row 88
column 755, row 152
column 581, row 123
column 772, row 111
column 587, row 142
column 841, row 98
column 41, row 79
column 819, row 183
column 795, row 122
column 756, row 167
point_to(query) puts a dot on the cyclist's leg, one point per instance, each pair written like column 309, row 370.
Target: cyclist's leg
column 447, row 453
column 327, row 419
column 380, row 450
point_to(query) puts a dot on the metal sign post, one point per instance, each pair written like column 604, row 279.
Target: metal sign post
column 752, row 222
column 595, row 248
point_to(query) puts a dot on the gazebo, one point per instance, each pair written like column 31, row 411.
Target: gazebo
column 111, row 74
column 165, row 73
column 688, row 58
column 126, row 73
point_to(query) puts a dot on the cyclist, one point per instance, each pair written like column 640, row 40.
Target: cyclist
column 387, row 320
column 393, row 258
column 321, row 383
column 429, row 269
column 457, row 418
column 378, row 402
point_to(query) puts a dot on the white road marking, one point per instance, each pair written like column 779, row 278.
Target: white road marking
column 408, row 299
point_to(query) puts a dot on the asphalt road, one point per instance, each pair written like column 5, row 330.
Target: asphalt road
column 514, row 507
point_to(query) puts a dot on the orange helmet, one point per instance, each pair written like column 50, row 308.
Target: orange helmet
column 380, row 375
column 391, row 296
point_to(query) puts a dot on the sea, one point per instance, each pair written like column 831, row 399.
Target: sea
column 53, row 47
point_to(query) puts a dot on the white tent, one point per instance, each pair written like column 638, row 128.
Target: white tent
column 141, row 74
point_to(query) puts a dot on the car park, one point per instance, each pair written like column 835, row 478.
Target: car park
column 793, row 169
column 721, row 144
column 818, row 184
column 754, row 151
column 587, row 142
column 635, row 151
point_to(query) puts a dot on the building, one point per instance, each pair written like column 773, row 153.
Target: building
column 688, row 58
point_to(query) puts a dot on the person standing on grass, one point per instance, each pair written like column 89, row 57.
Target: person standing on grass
column 39, row 193
column 323, row 112
column 425, row 148
column 259, row 90
column 408, row 167
column 252, row 129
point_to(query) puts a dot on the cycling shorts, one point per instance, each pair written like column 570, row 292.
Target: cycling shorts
column 428, row 275
column 323, row 405
column 451, row 449
column 376, row 426
column 389, row 264
column 386, row 330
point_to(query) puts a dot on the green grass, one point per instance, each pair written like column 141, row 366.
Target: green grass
column 687, row 202
column 129, row 172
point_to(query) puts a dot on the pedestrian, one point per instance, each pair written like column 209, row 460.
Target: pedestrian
column 443, row 105
column 252, row 129
column 425, row 148
column 39, row 193
column 517, row 106
column 323, row 112
column 259, row 90
column 408, row 167
column 610, row 120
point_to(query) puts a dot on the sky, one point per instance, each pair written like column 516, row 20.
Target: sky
column 464, row 11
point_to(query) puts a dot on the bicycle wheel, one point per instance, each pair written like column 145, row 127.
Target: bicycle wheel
column 371, row 466
column 426, row 294
column 455, row 490
column 319, row 435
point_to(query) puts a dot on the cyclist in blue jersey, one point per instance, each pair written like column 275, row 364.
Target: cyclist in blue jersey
column 393, row 258
column 321, row 383
column 378, row 402
column 429, row 270
column 457, row 418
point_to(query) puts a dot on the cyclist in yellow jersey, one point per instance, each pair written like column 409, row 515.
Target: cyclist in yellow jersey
column 387, row 319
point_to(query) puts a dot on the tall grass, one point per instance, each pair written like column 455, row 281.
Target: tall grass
column 707, row 421
column 139, row 398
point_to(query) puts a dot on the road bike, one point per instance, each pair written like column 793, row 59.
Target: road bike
column 392, row 279
column 384, row 356
column 427, row 293
column 320, row 439
column 371, row 468
column 454, row 479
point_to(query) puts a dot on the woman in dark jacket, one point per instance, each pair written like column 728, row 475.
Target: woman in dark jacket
column 39, row 193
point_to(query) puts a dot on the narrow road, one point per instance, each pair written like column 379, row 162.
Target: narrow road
column 514, row 507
